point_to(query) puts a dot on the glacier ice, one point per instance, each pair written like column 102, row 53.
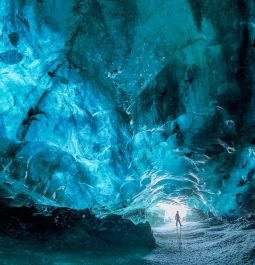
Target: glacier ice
column 56, row 229
column 118, row 105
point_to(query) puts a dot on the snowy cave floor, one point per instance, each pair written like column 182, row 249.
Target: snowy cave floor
column 203, row 243
column 196, row 243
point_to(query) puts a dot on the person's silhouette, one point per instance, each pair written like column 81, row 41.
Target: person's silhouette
column 178, row 219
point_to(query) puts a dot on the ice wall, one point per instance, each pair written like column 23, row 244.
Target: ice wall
column 121, row 104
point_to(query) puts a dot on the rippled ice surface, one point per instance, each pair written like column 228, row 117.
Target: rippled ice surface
column 196, row 243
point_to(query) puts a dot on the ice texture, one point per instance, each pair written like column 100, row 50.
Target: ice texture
column 77, row 237
column 117, row 105
column 64, row 229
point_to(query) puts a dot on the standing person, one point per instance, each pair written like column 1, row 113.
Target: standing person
column 178, row 219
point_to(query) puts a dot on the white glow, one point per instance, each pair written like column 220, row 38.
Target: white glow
column 171, row 209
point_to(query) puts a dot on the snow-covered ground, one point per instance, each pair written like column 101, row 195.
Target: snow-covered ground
column 202, row 243
column 196, row 244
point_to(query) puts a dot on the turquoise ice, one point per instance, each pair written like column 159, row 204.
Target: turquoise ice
column 126, row 104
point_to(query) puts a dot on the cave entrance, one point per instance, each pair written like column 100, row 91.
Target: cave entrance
column 163, row 213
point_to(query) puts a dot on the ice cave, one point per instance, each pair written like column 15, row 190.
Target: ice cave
column 116, row 114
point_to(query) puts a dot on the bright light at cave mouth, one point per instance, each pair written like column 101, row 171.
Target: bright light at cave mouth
column 170, row 210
